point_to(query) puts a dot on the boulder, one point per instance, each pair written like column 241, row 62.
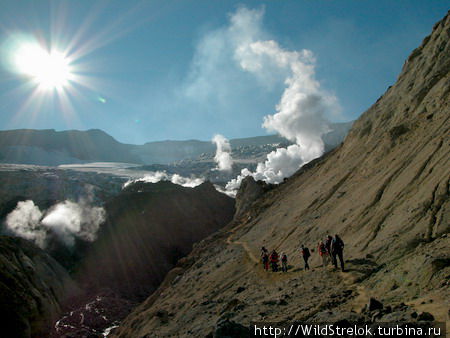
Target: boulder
column 249, row 191
column 425, row 316
column 226, row 328
column 374, row 305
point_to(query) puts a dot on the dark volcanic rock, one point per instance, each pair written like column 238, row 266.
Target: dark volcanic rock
column 425, row 316
column 91, row 319
column 336, row 316
column 32, row 288
column 149, row 227
column 225, row 328
column 249, row 191
column 374, row 305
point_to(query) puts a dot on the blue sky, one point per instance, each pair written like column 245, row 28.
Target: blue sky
column 156, row 70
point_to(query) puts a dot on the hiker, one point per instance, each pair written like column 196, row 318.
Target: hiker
column 284, row 262
column 337, row 250
column 321, row 248
column 306, row 254
column 328, row 241
column 264, row 251
column 265, row 260
column 274, row 261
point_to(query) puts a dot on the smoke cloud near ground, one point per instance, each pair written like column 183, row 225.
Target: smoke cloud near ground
column 156, row 176
column 67, row 220
column 223, row 153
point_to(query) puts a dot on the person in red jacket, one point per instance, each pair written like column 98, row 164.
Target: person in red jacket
column 274, row 261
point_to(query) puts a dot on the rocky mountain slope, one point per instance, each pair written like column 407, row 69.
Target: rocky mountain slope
column 385, row 191
column 33, row 288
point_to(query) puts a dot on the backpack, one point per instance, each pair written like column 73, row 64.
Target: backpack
column 284, row 258
column 338, row 244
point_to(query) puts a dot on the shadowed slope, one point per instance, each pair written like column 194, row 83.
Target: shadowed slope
column 33, row 287
column 149, row 227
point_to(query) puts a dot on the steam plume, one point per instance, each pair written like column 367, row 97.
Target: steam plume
column 186, row 181
column 223, row 153
column 156, row 176
column 70, row 220
column 300, row 113
column 24, row 221
column 67, row 220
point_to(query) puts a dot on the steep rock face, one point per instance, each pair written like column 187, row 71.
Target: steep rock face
column 33, row 287
column 149, row 227
column 385, row 191
column 249, row 191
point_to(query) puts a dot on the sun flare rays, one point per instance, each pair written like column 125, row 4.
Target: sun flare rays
column 46, row 74
column 48, row 69
column 53, row 68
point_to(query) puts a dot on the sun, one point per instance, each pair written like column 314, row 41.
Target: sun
column 49, row 69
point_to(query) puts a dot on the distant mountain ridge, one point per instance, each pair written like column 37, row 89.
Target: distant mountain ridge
column 50, row 147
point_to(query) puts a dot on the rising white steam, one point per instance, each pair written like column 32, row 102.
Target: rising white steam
column 24, row 221
column 300, row 114
column 223, row 153
column 70, row 220
column 66, row 220
column 156, row 176
column 186, row 181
